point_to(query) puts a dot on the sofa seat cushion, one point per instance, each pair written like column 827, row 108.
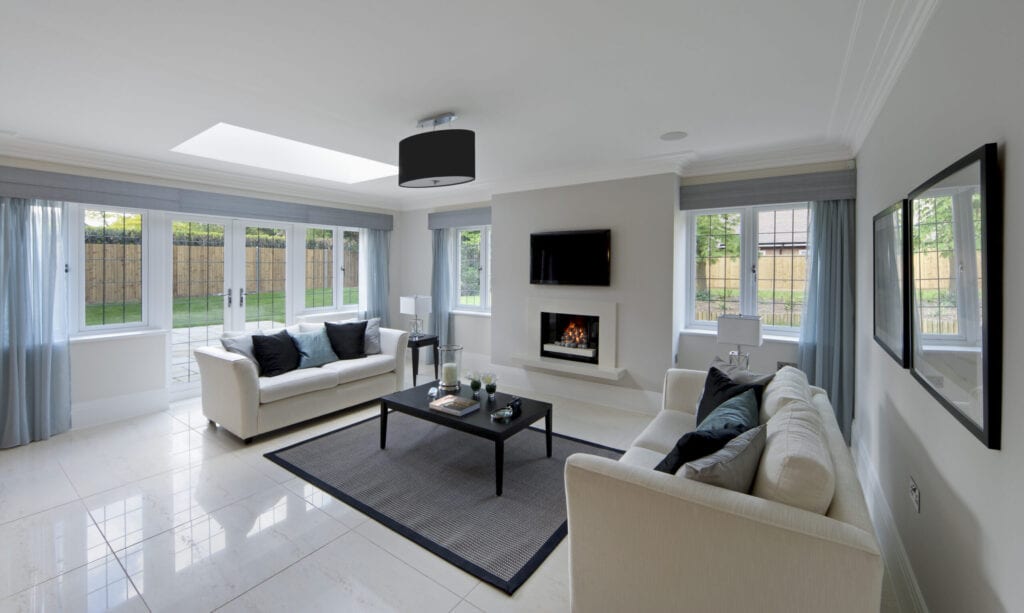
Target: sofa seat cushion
column 796, row 466
column 662, row 433
column 638, row 456
column 294, row 383
column 346, row 371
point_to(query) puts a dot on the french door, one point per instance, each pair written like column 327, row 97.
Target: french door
column 227, row 275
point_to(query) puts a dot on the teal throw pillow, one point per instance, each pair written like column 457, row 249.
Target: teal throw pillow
column 737, row 412
column 314, row 348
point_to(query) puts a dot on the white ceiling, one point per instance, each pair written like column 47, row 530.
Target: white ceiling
column 557, row 92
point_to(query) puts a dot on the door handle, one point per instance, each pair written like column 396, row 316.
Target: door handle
column 228, row 294
column 241, row 296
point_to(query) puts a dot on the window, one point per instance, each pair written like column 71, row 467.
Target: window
column 112, row 275
column 350, row 268
column 473, row 282
column 750, row 260
column 319, row 268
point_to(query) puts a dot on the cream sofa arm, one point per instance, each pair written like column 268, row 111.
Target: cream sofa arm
column 393, row 342
column 231, row 390
column 716, row 550
column 682, row 389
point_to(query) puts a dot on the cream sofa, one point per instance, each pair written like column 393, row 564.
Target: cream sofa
column 237, row 399
column 642, row 540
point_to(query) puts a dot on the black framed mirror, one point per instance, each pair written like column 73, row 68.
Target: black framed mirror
column 955, row 232
column 890, row 282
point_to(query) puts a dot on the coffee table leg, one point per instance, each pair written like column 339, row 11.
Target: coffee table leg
column 383, row 424
column 499, row 463
column 435, row 359
column 547, row 430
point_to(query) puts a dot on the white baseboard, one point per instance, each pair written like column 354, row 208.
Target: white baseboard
column 106, row 410
column 897, row 562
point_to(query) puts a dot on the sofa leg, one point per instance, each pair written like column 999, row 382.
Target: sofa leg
column 213, row 424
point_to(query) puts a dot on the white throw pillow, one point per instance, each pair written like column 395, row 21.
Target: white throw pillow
column 796, row 466
column 788, row 385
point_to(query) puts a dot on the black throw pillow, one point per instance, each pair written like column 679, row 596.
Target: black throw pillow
column 695, row 445
column 718, row 388
column 275, row 353
column 348, row 340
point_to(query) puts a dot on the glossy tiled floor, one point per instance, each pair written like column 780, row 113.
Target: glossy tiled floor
column 166, row 513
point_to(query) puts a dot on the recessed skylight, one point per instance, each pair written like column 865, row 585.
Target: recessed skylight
column 229, row 143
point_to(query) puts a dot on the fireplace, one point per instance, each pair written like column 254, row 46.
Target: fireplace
column 569, row 337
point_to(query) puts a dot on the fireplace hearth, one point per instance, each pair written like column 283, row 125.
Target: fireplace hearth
column 568, row 336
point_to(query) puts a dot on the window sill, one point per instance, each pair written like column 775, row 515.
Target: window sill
column 771, row 338
column 472, row 313
column 106, row 335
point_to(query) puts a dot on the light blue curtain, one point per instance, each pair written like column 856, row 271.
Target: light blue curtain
column 35, row 382
column 826, row 335
column 442, row 285
column 378, row 248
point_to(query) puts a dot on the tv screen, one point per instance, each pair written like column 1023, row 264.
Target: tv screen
column 581, row 257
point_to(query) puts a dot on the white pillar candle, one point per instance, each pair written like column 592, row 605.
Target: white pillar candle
column 449, row 373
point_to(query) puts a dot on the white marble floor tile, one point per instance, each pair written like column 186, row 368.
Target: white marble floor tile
column 134, row 512
column 448, row 575
column 546, row 590
column 465, row 607
column 100, row 585
column 325, row 502
column 40, row 547
column 350, row 574
column 100, row 466
column 203, row 564
column 31, row 491
column 40, row 455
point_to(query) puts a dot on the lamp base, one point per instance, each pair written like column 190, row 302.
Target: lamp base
column 416, row 328
column 740, row 359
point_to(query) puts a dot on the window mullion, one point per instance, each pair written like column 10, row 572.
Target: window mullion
column 748, row 259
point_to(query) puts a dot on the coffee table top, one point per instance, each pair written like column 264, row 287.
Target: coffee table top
column 414, row 401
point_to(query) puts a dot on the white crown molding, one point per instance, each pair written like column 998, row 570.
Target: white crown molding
column 796, row 154
column 137, row 169
column 892, row 44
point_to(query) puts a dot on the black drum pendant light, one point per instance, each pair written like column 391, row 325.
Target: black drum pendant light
column 437, row 158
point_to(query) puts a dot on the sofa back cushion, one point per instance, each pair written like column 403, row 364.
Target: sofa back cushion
column 789, row 385
column 348, row 340
column 796, row 466
column 275, row 353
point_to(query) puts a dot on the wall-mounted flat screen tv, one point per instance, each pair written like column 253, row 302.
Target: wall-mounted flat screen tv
column 579, row 257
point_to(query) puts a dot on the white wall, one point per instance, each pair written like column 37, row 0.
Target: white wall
column 961, row 88
column 640, row 213
column 117, row 377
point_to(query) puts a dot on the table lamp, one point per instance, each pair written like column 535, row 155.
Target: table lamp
column 415, row 306
column 739, row 330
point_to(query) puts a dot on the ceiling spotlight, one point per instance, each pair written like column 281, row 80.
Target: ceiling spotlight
column 439, row 157
column 674, row 135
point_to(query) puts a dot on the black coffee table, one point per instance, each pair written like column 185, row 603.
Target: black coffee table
column 414, row 401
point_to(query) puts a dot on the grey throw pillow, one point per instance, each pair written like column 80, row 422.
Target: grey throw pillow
column 241, row 344
column 371, row 344
column 733, row 466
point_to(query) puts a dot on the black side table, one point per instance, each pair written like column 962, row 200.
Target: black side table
column 415, row 343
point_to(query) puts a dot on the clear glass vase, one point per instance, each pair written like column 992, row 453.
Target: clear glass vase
column 450, row 358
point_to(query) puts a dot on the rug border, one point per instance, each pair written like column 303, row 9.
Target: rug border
column 509, row 587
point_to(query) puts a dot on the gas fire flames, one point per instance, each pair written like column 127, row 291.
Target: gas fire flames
column 574, row 336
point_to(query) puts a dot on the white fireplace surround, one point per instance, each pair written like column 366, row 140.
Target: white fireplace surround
column 607, row 331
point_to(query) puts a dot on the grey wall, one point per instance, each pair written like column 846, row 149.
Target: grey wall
column 640, row 213
column 961, row 88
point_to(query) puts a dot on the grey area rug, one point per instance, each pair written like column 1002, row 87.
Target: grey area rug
column 435, row 486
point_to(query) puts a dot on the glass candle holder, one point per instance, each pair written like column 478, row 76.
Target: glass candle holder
column 450, row 357
column 475, row 383
column 490, row 381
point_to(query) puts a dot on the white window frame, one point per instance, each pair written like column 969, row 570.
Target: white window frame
column 77, row 270
column 339, row 271
column 748, row 259
column 485, row 270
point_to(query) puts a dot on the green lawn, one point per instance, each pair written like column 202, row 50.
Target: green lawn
column 200, row 311
column 469, row 300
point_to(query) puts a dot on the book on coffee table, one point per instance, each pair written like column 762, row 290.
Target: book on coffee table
column 455, row 405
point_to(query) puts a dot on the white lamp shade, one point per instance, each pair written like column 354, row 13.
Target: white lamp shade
column 739, row 330
column 414, row 305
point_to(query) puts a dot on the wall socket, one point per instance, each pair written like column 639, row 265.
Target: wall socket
column 915, row 495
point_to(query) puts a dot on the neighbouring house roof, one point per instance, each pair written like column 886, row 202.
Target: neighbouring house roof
column 784, row 228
